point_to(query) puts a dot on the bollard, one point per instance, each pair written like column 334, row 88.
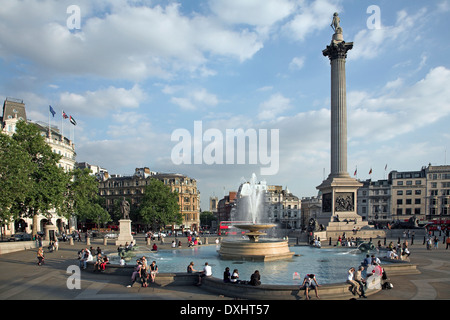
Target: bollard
column 88, row 241
column 206, row 241
column 105, row 241
column 329, row 242
column 148, row 241
column 71, row 241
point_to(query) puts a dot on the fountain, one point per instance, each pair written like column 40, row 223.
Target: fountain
column 251, row 208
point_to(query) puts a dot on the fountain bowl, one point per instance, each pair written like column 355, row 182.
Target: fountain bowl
column 254, row 249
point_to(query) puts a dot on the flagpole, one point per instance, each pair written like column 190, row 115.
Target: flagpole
column 49, row 133
column 62, row 128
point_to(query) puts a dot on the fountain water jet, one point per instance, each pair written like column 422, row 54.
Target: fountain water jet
column 251, row 208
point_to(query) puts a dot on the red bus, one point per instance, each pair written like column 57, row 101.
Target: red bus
column 437, row 224
column 226, row 228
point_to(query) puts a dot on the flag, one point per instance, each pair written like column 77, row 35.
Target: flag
column 72, row 120
column 356, row 171
column 370, row 172
column 52, row 111
column 65, row 116
column 385, row 167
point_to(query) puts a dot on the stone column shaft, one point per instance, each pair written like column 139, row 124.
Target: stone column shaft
column 338, row 118
column 337, row 53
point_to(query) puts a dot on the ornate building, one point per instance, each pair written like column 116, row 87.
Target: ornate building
column 114, row 187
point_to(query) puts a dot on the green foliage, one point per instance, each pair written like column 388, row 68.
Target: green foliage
column 47, row 180
column 159, row 206
column 206, row 217
column 82, row 198
column 14, row 173
column 32, row 182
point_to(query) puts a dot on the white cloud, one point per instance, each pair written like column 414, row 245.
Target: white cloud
column 402, row 109
column 194, row 99
column 130, row 41
column 255, row 13
column 297, row 63
column 103, row 101
column 271, row 108
column 371, row 42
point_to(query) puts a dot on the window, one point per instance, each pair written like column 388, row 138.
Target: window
column 408, row 192
column 409, row 183
column 416, row 210
column 399, row 192
column 408, row 201
column 418, row 182
column 399, row 201
column 399, row 183
column 399, row 212
column 417, row 191
column 417, row 201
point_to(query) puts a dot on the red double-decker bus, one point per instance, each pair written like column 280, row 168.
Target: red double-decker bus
column 226, row 228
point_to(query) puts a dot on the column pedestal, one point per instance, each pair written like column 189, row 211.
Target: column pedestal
column 124, row 233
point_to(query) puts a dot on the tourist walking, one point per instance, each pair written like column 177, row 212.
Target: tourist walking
column 40, row 256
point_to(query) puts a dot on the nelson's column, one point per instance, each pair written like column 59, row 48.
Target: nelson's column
column 339, row 190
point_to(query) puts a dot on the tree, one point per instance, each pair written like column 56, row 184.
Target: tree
column 48, row 182
column 14, row 182
column 206, row 217
column 82, row 199
column 159, row 206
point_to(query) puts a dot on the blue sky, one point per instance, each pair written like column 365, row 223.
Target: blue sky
column 135, row 72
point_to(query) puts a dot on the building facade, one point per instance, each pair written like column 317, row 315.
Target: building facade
column 133, row 187
column 311, row 209
column 408, row 189
column 283, row 207
column 226, row 206
column 374, row 202
column 422, row 194
column 437, row 190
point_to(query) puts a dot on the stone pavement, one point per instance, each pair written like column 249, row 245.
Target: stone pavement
column 22, row 279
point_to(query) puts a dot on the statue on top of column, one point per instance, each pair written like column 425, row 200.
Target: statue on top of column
column 335, row 24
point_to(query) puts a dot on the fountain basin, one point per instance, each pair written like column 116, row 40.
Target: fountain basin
column 255, row 249
column 263, row 250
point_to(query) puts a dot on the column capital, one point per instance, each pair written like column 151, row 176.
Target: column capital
column 337, row 50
